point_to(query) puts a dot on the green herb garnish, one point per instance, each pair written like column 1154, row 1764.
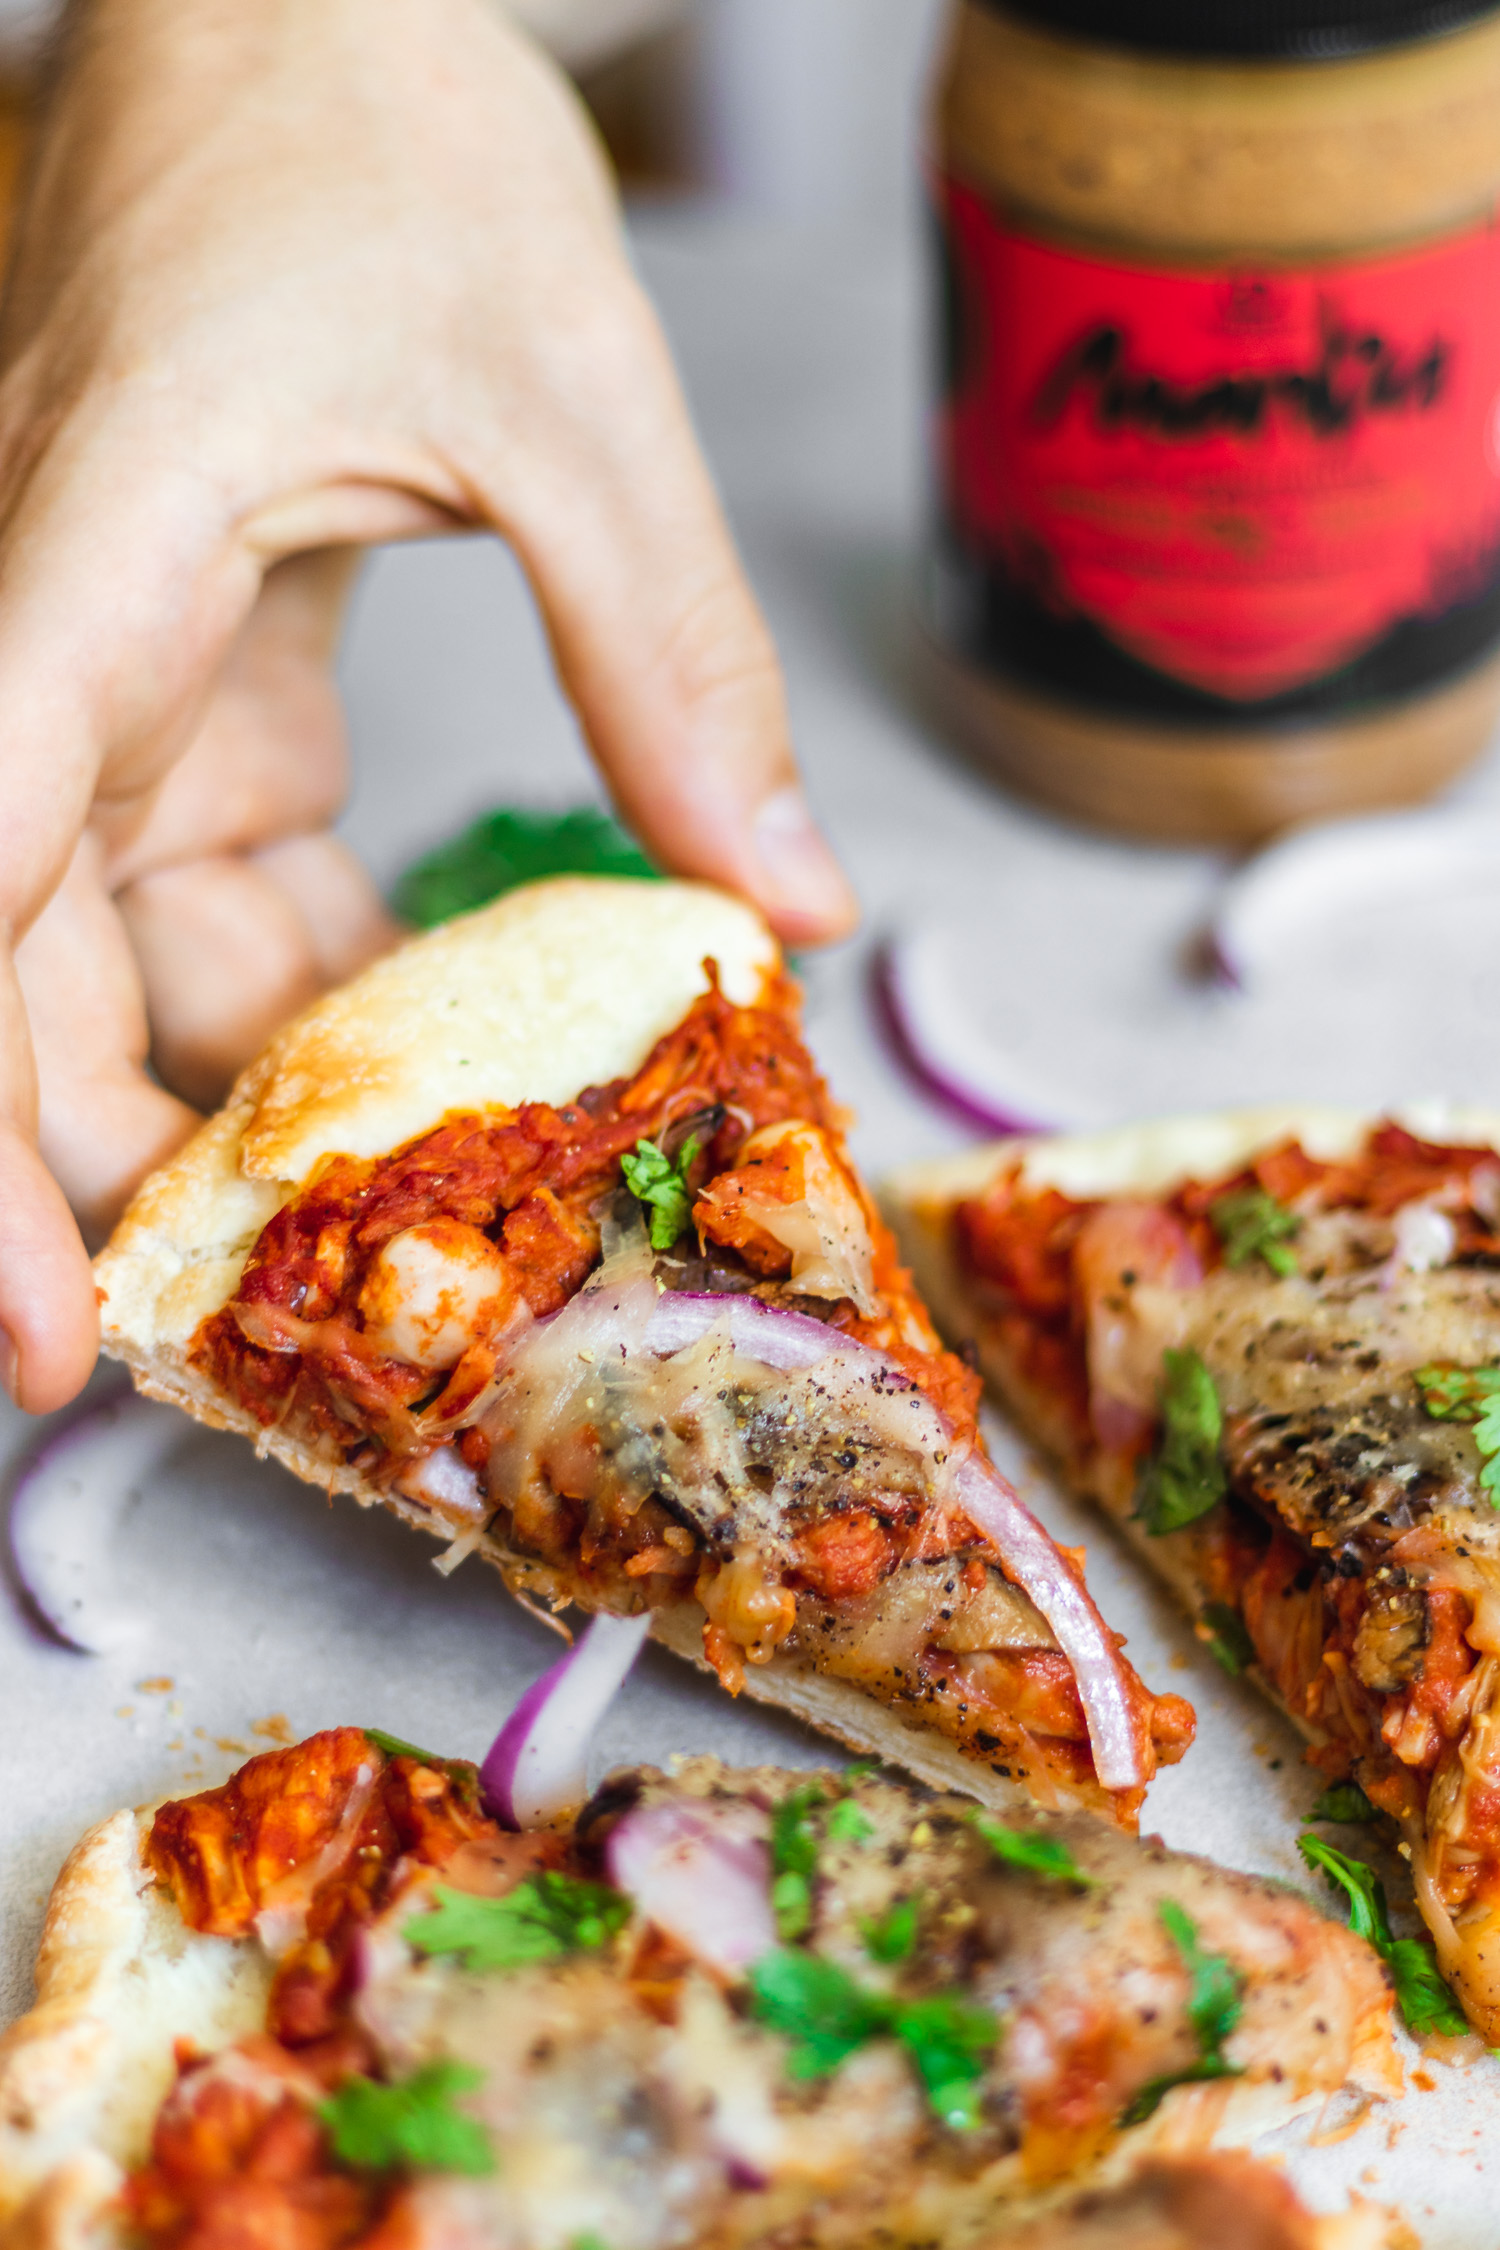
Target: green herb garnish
column 463, row 1775
column 540, row 1920
column 1344, row 1800
column 891, row 1938
column 661, row 1184
column 1423, row 1998
column 827, row 2014
column 848, row 1823
column 1226, row 1637
column 1184, row 1477
column 1252, row 1224
column 510, row 847
column 412, row 2122
column 794, row 1860
column 1468, row 1394
column 1215, row 2005
column 1034, row 1851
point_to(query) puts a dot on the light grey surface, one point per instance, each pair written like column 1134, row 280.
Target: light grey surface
column 802, row 359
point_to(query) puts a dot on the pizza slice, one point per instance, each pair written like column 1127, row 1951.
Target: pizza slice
column 332, row 2004
column 544, row 1234
column 1269, row 1345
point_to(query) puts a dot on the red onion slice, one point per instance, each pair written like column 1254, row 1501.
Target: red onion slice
column 1032, row 1559
column 1028, row 1552
column 537, row 1768
column 785, row 1340
column 67, row 1505
column 932, row 1037
column 794, row 1342
column 702, row 1874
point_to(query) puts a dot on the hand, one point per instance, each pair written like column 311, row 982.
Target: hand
column 292, row 278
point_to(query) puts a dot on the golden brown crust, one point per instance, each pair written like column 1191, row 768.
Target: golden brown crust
column 559, row 986
column 84, row 2071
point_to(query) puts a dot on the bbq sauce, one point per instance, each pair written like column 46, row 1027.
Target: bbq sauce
column 1216, row 539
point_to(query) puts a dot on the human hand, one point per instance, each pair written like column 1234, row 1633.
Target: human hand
column 290, row 279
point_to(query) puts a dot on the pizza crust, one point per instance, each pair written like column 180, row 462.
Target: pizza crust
column 559, row 986
column 118, row 1980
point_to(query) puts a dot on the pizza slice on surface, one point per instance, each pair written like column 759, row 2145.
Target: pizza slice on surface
column 543, row 1233
column 331, row 2004
column 1269, row 1345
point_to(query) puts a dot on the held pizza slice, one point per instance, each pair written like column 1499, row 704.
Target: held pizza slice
column 543, row 1232
column 332, row 2005
column 1269, row 1344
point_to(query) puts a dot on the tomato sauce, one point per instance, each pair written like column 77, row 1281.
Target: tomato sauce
column 1019, row 1248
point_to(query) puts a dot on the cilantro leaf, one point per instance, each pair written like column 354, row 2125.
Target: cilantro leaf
column 463, row 1775
column 818, row 2006
column 1033, row 1850
column 1468, row 1394
column 1226, row 1637
column 661, row 1184
column 1344, row 1800
column 542, row 1919
column 794, row 1860
column 1215, row 2005
column 411, row 2122
column 827, row 2015
column 949, row 2041
column 1184, row 1477
column 510, row 846
column 1424, row 1999
column 1252, row 1224
column 891, row 1938
column 848, row 1823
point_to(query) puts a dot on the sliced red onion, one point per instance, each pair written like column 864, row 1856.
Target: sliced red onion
column 702, row 1874
column 1032, row 1559
column 785, row 1340
column 1320, row 874
column 935, row 1041
column 794, row 1342
column 537, row 1768
column 67, row 1505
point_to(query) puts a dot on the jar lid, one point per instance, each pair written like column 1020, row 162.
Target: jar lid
column 1314, row 30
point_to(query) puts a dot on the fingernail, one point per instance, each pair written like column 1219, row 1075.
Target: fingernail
column 802, row 870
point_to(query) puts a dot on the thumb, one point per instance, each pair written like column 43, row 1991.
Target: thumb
column 657, row 637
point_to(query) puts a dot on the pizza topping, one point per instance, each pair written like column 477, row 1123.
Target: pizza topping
column 1033, row 1850
column 1252, row 1224
column 413, row 2122
column 1185, row 1476
column 1456, row 1394
column 1215, row 2005
column 1425, row 2002
column 827, row 2015
column 660, row 1182
column 536, row 1770
column 433, row 1290
column 701, row 1872
column 540, row 1919
column 790, row 1209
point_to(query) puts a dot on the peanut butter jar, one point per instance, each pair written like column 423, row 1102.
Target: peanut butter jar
column 1217, row 441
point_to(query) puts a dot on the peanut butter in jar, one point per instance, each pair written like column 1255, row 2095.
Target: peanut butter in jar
column 1218, row 442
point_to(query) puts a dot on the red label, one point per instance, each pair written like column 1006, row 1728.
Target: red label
column 1245, row 477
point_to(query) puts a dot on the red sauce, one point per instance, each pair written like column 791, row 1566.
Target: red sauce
column 239, row 2159
column 1018, row 1246
column 531, row 1179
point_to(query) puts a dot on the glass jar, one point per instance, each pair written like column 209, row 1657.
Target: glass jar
column 1218, row 442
